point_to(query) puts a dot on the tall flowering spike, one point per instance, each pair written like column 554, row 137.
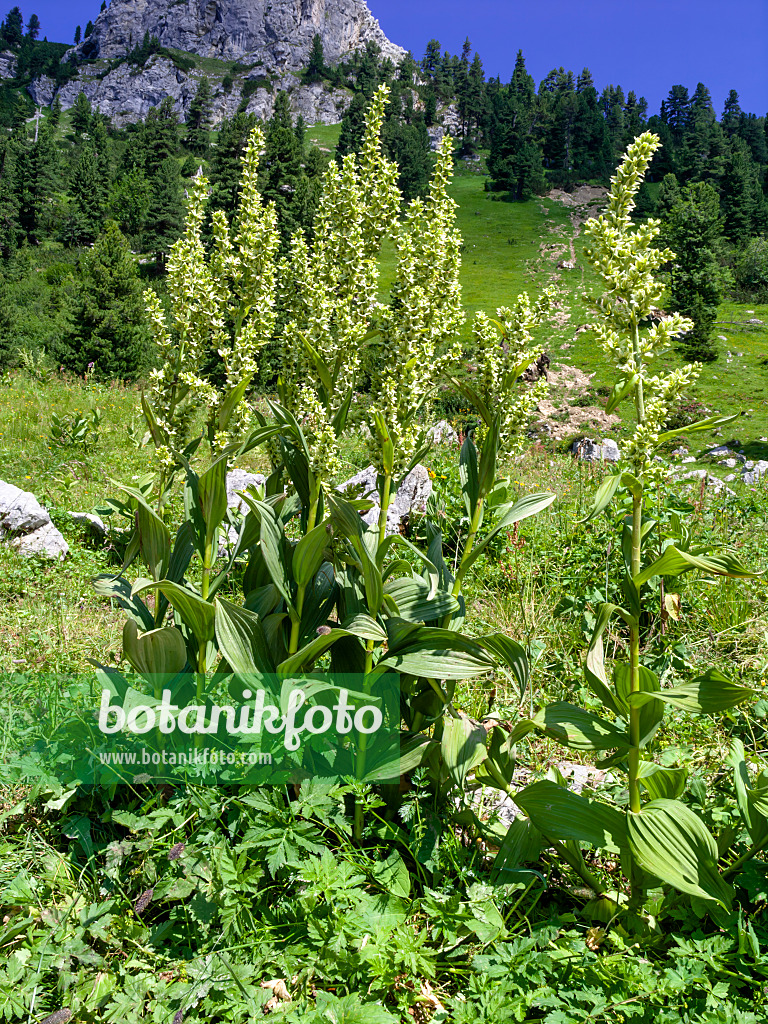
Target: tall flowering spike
column 223, row 304
column 420, row 326
column 330, row 289
column 503, row 349
column 622, row 253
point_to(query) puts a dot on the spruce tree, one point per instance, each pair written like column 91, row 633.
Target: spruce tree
column 38, row 180
column 78, row 35
column 165, row 217
column 280, row 169
column 81, row 113
column 86, row 196
column 88, row 30
column 693, row 232
column 316, row 61
column 226, row 162
column 159, row 136
column 12, row 29
column 742, row 196
column 10, row 234
column 731, row 114
column 108, row 326
column 199, row 119
column 56, row 109
column 8, row 343
column 352, row 127
column 129, row 200
column 33, row 27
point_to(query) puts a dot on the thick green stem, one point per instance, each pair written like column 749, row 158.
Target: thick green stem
column 293, row 644
column 207, row 565
column 633, row 759
column 385, row 502
column 474, row 526
column 362, row 748
column 634, row 666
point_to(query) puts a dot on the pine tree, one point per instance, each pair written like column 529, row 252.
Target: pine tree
column 55, row 116
column 33, row 27
column 78, row 35
column 88, row 30
column 280, row 169
column 431, row 59
column 8, row 343
column 38, row 178
column 107, row 315
column 199, row 119
column 165, row 217
column 742, row 197
column 693, row 232
column 352, row 127
column 12, row 29
column 159, row 136
column 316, row 61
column 129, row 200
column 731, row 114
column 10, row 234
column 86, row 192
column 81, row 113
column 226, row 163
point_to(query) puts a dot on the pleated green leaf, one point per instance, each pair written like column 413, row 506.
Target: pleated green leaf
column 669, row 841
column 560, row 814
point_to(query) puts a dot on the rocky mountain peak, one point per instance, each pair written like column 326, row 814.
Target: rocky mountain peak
column 276, row 33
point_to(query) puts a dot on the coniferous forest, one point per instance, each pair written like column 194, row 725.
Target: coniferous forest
column 65, row 175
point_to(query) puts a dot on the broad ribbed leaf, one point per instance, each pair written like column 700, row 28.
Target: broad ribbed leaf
column 119, row 589
column 463, row 746
column 364, row 626
column 412, row 598
column 560, row 814
column 662, row 783
column 308, row 553
column 438, row 654
column 271, row 545
column 578, row 728
column 669, row 841
column 212, row 495
column 195, row 613
column 468, row 475
column 651, row 711
column 708, row 424
column 604, row 495
column 521, row 844
column 709, row 694
column 309, row 654
column 488, row 455
column 620, row 392
column 160, row 652
column 594, row 666
column 673, row 562
column 241, row 639
column 511, row 655
column 528, row 506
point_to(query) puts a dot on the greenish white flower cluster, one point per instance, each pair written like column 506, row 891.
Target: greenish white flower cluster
column 330, row 289
column 420, row 326
column 224, row 304
column 503, row 349
column 623, row 255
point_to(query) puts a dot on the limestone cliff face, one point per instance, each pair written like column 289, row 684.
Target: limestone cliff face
column 271, row 38
column 277, row 32
column 126, row 95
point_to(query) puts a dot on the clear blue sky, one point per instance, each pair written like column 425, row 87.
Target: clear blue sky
column 645, row 45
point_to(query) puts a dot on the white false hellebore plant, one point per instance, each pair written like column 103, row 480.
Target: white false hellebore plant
column 223, row 304
column 658, row 837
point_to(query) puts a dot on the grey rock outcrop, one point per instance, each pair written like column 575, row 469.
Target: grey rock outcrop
column 126, row 94
column 442, row 433
column 412, row 495
column 710, row 481
column 241, row 480
column 588, row 450
column 755, row 473
column 277, row 34
column 26, row 525
column 8, row 64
